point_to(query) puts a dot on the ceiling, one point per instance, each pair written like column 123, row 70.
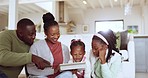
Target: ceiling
column 29, row 6
column 24, row 7
column 92, row 4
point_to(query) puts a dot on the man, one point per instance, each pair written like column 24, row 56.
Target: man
column 14, row 48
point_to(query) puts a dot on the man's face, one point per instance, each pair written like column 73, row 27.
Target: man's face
column 28, row 35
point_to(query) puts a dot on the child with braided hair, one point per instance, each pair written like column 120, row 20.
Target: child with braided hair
column 77, row 48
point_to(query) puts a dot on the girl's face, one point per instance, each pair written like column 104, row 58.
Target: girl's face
column 77, row 53
column 53, row 34
column 96, row 47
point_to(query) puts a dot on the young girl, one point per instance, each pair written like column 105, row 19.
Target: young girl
column 50, row 49
column 105, row 59
column 78, row 55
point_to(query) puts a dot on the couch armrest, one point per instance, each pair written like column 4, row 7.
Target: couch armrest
column 131, row 49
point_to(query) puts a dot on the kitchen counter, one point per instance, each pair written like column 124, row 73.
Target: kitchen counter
column 141, row 36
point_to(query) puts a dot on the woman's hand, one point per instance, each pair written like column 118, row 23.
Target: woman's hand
column 57, row 69
column 102, row 53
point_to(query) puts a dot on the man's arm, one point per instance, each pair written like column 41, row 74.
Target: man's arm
column 9, row 58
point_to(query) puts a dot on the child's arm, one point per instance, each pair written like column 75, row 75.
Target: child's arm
column 113, row 70
column 74, row 71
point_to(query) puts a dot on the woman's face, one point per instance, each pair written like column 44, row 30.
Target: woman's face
column 96, row 47
column 53, row 34
column 77, row 53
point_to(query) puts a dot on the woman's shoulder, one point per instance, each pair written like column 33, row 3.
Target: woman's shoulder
column 63, row 45
column 39, row 42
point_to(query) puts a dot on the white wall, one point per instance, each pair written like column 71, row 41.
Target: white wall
column 36, row 18
column 92, row 15
column 3, row 21
column 145, row 17
column 89, row 16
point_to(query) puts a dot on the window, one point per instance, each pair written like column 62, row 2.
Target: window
column 115, row 25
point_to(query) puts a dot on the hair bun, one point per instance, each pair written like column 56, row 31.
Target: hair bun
column 48, row 17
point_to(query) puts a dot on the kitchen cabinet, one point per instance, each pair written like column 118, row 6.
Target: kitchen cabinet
column 141, row 53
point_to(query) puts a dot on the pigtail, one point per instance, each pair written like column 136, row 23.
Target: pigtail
column 75, row 42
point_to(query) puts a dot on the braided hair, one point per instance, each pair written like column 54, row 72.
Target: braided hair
column 77, row 43
column 49, row 20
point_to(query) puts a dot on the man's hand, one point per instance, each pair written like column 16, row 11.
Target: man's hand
column 40, row 62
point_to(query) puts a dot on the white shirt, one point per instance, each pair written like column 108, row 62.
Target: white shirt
column 111, row 69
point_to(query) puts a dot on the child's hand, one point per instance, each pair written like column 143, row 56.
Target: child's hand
column 74, row 71
column 102, row 53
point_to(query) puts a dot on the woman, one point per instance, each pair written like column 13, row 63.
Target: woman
column 105, row 59
column 50, row 49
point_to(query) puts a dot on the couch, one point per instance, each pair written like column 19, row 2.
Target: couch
column 128, row 55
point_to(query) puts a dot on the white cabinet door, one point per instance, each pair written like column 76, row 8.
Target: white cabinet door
column 146, row 50
column 140, row 54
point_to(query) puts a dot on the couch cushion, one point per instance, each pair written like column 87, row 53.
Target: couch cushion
column 118, row 40
column 122, row 40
